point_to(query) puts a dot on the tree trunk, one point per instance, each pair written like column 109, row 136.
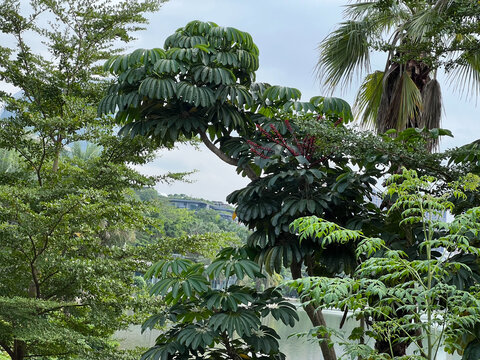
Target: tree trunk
column 19, row 348
column 316, row 317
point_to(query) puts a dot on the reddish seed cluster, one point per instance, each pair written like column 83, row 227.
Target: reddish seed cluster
column 305, row 147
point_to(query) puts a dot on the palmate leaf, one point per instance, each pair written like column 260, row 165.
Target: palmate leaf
column 367, row 101
column 132, row 75
column 120, row 63
column 164, row 351
column 196, row 336
column 169, row 66
column 227, row 115
column 229, row 267
column 264, row 340
column 213, row 75
column 156, row 88
column 285, row 312
column 333, row 106
column 181, row 40
column 243, row 322
column 411, row 99
column 178, row 279
column 190, row 54
column 152, row 321
column 401, row 102
column 228, row 58
column 274, row 258
column 228, row 300
column 232, row 35
column 237, row 94
column 343, row 52
column 109, row 104
column 466, row 75
column 281, row 94
column 198, row 96
column 248, row 60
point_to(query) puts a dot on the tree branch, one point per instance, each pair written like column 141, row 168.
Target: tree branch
column 60, row 307
column 231, row 161
column 7, row 349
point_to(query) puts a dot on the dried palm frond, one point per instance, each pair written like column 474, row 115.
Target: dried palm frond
column 385, row 120
column 432, row 109
column 432, row 105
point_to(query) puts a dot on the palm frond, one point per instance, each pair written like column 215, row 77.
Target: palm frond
column 384, row 18
column 421, row 25
column 465, row 76
column 442, row 5
column 359, row 10
column 385, row 120
column 343, row 53
column 411, row 102
column 367, row 101
column 401, row 102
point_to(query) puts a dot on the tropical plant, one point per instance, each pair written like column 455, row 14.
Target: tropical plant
column 405, row 301
column 419, row 38
column 209, row 323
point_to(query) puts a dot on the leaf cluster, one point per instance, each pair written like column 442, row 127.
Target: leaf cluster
column 215, row 323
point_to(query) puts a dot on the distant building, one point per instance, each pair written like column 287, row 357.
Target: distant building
column 224, row 210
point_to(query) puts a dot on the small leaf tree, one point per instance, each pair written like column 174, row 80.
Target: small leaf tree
column 67, row 273
column 404, row 300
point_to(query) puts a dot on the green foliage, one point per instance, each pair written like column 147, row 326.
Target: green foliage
column 301, row 179
column 67, row 211
column 405, row 300
column 210, row 323
column 187, row 84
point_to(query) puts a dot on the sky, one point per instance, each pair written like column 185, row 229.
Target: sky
column 287, row 33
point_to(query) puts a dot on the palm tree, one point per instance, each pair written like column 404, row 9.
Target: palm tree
column 419, row 37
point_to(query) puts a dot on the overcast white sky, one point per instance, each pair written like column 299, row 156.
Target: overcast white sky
column 287, row 33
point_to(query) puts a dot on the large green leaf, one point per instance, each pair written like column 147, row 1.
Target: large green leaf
column 264, row 340
column 367, row 101
column 195, row 95
column 181, row 40
column 228, row 300
column 281, row 94
column 344, row 52
column 213, row 75
column 156, row 88
column 169, row 66
column 333, row 106
column 196, row 336
column 242, row 322
column 120, row 63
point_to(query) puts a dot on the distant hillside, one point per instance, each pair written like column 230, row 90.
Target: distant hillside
column 192, row 216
